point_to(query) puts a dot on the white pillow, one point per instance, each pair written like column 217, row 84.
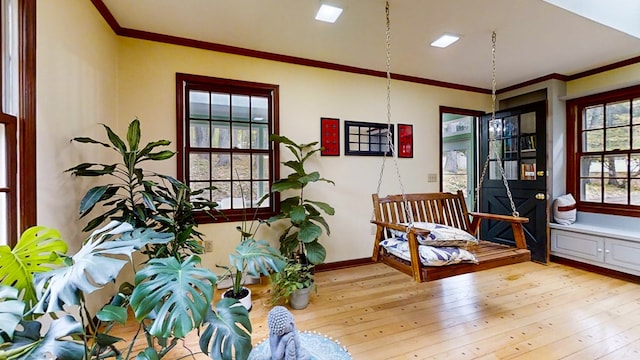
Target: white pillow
column 564, row 210
column 439, row 236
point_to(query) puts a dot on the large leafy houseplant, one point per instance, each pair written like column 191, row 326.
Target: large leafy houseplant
column 140, row 197
column 299, row 240
column 171, row 298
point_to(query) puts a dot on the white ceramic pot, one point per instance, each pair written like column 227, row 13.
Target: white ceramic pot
column 245, row 300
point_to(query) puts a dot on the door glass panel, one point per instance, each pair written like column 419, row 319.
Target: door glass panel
column 511, row 170
column 458, row 155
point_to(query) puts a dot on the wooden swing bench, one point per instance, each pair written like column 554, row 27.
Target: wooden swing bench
column 446, row 209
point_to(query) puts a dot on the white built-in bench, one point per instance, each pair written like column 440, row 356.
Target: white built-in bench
column 608, row 241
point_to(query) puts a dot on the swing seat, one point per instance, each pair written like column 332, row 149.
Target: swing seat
column 446, row 209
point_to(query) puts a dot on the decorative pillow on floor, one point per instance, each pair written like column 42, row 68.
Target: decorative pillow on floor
column 429, row 255
column 439, row 236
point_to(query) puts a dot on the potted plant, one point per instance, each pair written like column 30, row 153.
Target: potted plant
column 299, row 240
column 293, row 285
column 146, row 203
column 140, row 197
column 251, row 257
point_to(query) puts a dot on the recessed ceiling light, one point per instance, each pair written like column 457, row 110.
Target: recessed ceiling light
column 445, row 40
column 328, row 13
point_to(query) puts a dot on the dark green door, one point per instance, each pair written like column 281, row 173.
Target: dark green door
column 517, row 140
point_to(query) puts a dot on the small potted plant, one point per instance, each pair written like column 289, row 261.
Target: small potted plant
column 251, row 257
column 293, row 285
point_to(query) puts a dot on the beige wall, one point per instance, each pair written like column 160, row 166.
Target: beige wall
column 606, row 81
column 76, row 90
column 146, row 83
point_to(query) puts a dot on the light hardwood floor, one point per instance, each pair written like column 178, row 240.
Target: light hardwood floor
column 522, row 311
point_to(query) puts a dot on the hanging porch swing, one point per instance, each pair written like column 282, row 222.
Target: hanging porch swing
column 432, row 235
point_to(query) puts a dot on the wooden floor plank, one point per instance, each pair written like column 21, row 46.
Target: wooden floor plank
column 520, row 311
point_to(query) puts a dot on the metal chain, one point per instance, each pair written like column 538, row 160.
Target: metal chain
column 407, row 208
column 515, row 212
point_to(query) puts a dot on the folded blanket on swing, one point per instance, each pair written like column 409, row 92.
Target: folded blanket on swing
column 429, row 255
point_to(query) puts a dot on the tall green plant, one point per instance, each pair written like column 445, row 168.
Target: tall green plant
column 140, row 197
column 306, row 221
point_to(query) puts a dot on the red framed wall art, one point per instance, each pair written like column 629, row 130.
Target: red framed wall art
column 405, row 141
column 330, row 136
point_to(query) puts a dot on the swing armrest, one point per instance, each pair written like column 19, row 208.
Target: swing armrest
column 516, row 225
column 508, row 218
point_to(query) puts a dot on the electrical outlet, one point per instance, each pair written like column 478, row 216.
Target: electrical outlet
column 432, row 177
column 208, row 246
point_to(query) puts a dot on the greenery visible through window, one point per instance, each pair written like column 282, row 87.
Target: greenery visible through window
column 225, row 131
column 607, row 156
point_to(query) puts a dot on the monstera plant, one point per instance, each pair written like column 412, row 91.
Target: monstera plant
column 171, row 298
column 305, row 220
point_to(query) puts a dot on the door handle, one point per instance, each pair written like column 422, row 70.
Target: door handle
column 540, row 173
column 541, row 196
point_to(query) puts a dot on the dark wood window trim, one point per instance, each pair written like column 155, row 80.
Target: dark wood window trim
column 574, row 109
column 197, row 82
column 21, row 130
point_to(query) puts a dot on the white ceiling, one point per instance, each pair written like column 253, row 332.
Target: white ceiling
column 534, row 38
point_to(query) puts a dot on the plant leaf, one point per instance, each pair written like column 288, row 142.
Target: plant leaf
column 328, row 209
column 257, row 257
column 91, row 198
column 309, row 232
column 113, row 313
column 161, row 155
column 87, row 140
column 298, row 214
column 93, row 265
column 34, row 253
column 285, row 184
column 223, row 335
column 148, row 354
column 53, row 342
column 179, row 292
column 316, row 253
column 11, row 310
column 115, row 140
column 133, row 135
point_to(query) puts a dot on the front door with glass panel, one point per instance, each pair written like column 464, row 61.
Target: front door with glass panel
column 516, row 143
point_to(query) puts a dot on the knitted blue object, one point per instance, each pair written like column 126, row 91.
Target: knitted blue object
column 283, row 336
